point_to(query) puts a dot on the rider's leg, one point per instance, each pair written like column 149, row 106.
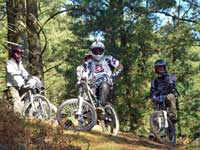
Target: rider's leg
column 16, row 100
column 104, row 92
column 171, row 104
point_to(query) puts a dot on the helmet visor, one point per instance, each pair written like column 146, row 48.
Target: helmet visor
column 160, row 69
column 97, row 51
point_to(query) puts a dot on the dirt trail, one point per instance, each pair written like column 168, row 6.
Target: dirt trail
column 95, row 140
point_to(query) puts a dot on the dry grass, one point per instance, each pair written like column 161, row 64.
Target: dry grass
column 30, row 134
column 17, row 133
column 96, row 140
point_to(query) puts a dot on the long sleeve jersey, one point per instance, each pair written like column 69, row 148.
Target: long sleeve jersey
column 163, row 85
column 95, row 70
column 15, row 73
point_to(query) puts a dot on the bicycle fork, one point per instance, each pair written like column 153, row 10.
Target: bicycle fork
column 164, row 114
column 80, row 104
column 31, row 99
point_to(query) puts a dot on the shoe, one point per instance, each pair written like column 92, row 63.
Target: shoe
column 100, row 110
column 173, row 118
column 152, row 137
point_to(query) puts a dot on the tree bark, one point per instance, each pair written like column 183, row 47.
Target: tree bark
column 35, row 57
column 16, row 22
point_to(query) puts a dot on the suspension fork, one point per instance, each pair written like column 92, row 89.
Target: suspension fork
column 41, row 106
column 164, row 112
column 80, row 104
column 31, row 100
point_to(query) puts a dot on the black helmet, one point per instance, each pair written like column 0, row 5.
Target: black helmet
column 160, row 66
column 17, row 48
column 16, row 52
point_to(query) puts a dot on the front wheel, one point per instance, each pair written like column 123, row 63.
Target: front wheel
column 164, row 130
column 40, row 109
column 110, row 121
column 68, row 119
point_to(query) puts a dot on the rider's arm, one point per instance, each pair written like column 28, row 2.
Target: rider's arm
column 153, row 92
column 79, row 70
column 117, row 66
column 24, row 72
column 118, row 70
column 172, row 81
column 11, row 69
column 82, row 72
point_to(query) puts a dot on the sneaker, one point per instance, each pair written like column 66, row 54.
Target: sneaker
column 173, row 118
column 152, row 137
column 100, row 110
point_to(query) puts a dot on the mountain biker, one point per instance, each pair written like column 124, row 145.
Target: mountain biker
column 100, row 70
column 80, row 70
column 164, row 85
column 16, row 75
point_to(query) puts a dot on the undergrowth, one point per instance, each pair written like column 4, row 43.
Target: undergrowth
column 17, row 133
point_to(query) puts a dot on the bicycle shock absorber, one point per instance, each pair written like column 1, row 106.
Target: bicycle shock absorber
column 80, row 98
column 165, row 119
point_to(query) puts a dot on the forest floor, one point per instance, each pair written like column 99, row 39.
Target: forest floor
column 96, row 140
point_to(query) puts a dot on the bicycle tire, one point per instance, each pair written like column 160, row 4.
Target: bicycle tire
column 66, row 115
column 163, row 135
column 110, row 123
column 42, row 106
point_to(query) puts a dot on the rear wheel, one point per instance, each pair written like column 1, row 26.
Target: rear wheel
column 164, row 131
column 110, row 121
column 67, row 115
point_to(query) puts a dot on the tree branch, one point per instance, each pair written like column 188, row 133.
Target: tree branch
column 53, row 67
column 57, row 13
column 175, row 17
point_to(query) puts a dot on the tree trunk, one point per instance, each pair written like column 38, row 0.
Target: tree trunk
column 16, row 22
column 35, row 57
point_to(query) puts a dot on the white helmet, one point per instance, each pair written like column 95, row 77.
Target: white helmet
column 97, row 49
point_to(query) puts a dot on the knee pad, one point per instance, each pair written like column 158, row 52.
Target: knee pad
column 105, row 86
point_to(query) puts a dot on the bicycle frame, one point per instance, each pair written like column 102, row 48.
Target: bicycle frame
column 92, row 97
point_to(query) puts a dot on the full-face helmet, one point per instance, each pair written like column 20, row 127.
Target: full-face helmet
column 97, row 48
column 160, row 66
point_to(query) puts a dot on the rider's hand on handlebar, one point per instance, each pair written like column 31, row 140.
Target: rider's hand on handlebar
column 155, row 99
column 114, row 75
column 79, row 83
column 158, row 99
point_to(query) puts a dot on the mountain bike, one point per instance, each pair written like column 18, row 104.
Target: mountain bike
column 83, row 112
column 161, row 125
column 34, row 104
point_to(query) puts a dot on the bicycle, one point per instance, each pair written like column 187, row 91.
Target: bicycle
column 35, row 104
column 161, row 125
column 82, row 113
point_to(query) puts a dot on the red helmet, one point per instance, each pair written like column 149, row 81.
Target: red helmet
column 16, row 53
column 160, row 66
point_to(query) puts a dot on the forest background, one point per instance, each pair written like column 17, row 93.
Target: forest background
column 57, row 34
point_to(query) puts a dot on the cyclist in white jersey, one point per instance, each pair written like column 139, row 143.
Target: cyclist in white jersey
column 100, row 71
